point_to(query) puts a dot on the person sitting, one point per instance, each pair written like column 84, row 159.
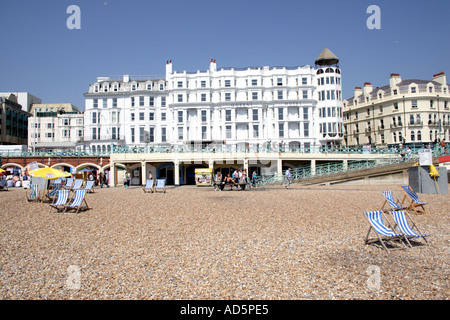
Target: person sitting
column 230, row 180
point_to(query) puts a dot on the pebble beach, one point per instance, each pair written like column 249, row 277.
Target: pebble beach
column 193, row 243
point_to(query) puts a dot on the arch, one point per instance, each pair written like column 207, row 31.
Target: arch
column 62, row 164
column 83, row 165
column 320, row 71
column 329, row 70
column 11, row 164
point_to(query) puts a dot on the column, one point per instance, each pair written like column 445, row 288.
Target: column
column 143, row 173
column 176, row 168
column 313, row 167
column 112, row 174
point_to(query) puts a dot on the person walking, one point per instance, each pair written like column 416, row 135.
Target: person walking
column 254, row 176
column 103, row 180
column 288, row 178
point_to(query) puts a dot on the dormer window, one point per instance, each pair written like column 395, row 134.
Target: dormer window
column 115, row 87
column 96, row 88
column 149, row 86
column 430, row 89
column 413, row 90
column 105, row 87
column 133, row 87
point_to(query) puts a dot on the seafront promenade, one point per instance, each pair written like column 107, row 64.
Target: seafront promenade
column 195, row 243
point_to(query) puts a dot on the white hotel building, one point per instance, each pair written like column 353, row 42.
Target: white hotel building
column 296, row 107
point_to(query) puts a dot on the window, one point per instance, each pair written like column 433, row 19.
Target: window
column 50, row 126
column 227, row 96
column 180, row 133
column 163, row 101
column 203, row 97
column 105, row 103
column 132, row 116
column 114, row 102
column 180, row 84
column 227, row 83
column 413, row 90
column 419, row 135
column 204, row 132
column 163, row 116
column 180, row 116
column 95, row 103
column 280, row 113
column 305, row 113
column 161, row 86
column 280, row 95
column 132, row 135
column 149, row 86
column 279, row 81
column 414, row 104
column 163, row 135
column 255, row 131
column 254, row 82
column 94, row 133
column 203, row 115
column 227, row 115
column 141, row 116
column 180, row 98
column 203, row 83
column 395, row 105
column 151, row 116
column 133, row 87
column 430, row 89
column 411, row 119
column 151, row 135
column 305, row 94
column 304, row 80
column 431, row 104
column 255, row 114
column 141, row 101
column 281, row 130
column 254, row 95
column 306, row 129
column 228, row 132
column 151, row 101
column 132, row 101
column 94, row 117
column 413, row 136
column 113, row 133
column 141, row 134
column 395, row 92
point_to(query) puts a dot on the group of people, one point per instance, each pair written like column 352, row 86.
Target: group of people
column 236, row 179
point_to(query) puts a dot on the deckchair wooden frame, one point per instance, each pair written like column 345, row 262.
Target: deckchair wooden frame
column 411, row 204
column 380, row 238
column 72, row 206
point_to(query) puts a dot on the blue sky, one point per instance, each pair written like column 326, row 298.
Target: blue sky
column 40, row 55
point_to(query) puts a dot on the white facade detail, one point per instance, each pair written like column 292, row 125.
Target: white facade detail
column 296, row 107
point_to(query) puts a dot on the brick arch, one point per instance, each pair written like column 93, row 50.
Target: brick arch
column 63, row 164
column 87, row 164
column 12, row 164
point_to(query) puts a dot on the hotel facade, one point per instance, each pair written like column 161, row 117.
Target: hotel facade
column 410, row 112
column 291, row 107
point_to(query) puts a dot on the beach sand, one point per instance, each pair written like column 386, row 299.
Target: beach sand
column 195, row 243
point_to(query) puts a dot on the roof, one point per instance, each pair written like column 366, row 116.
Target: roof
column 326, row 58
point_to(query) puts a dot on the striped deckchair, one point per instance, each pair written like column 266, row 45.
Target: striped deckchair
column 77, row 185
column 52, row 194
column 34, row 195
column 148, row 186
column 77, row 203
column 89, row 186
column 413, row 200
column 385, row 235
column 400, row 218
column 160, row 185
column 59, row 203
column 389, row 195
column 69, row 183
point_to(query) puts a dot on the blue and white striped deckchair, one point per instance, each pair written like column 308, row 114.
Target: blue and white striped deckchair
column 403, row 225
column 34, row 195
column 77, row 185
column 69, row 183
column 59, row 203
column 89, row 186
column 413, row 200
column 148, row 186
column 160, row 185
column 51, row 195
column 384, row 234
column 77, row 203
column 389, row 195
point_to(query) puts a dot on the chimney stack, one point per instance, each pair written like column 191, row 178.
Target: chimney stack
column 367, row 88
